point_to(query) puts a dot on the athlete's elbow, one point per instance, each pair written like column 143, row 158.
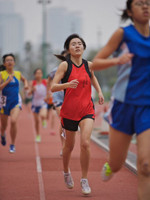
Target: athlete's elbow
column 53, row 88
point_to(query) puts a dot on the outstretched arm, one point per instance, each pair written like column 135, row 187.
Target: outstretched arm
column 96, row 85
column 48, row 91
column 25, row 82
column 102, row 60
column 31, row 89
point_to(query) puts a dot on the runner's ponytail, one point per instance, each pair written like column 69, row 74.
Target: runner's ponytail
column 2, row 68
column 125, row 16
column 64, row 56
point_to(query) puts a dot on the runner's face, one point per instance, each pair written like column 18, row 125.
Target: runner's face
column 38, row 74
column 9, row 62
column 76, row 47
column 140, row 11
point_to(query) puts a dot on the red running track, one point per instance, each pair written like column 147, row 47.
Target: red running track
column 34, row 172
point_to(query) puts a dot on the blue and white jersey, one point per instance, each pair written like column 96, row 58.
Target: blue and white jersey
column 133, row 83
column 58, row 97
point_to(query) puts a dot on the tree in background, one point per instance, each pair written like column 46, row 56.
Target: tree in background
column 29, row 64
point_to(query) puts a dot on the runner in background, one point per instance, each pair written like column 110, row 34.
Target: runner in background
column 39, row 106
column 10, row 99
column 27, row 98
column 78, row 108
column 130, row 112
column 58, row 97
column 51, row 112
column 3, row 140
column 2, row 68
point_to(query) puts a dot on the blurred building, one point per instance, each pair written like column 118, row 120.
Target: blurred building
column 60, row 24
column 11, row 29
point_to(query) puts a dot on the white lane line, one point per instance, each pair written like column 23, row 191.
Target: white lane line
column 38, row 163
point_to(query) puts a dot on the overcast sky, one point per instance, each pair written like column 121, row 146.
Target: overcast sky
column 97, row 14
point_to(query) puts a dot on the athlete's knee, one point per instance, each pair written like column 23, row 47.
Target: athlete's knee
column 37, row 121
column 13, row 122
column 43, row 116
column 3, row 125
column 68, row 148
column 144, row 167
column 85, row 145
column 3, row 128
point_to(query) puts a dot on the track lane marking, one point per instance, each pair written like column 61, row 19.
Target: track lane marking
column 38, row 164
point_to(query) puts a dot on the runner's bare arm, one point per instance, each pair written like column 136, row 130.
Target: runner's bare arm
column 48, row 89
column 102, row 60
column 56, row 85
column 25, row 82
column 96, row 85
column 48, row 86
column 31, row 88
column 4, row 84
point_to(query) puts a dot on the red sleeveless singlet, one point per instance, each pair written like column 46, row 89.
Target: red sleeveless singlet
column 77, row 102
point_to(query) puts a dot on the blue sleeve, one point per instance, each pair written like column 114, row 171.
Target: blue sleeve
column 52, row 73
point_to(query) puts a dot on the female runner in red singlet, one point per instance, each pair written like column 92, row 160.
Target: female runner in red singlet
column 78, row 109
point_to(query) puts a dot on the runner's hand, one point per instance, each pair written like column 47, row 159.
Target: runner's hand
column 10, row 78
column 125, row 58
column 33, row 89
column 26, row 87
column 46, row 99
column 101, row 98
column 73, row 84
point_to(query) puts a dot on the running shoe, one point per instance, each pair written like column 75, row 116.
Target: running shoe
column 44, row 124
column 68, row 180
column 3, row 140
column 38, row 138
column 63, row 134
column 106, row 173
column 85, row 186
column 12, row 148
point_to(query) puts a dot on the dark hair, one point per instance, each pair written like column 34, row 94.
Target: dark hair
column 37, row 70
column 67, row 42
column 125, row 15
column 61, row 56
column 2, row 68
column 6, row 55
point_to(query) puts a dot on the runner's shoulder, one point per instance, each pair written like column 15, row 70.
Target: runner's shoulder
column 63, row 66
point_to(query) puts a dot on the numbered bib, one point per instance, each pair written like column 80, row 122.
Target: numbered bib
column 3, row 100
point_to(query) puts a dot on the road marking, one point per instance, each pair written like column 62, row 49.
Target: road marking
column 38, row 164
